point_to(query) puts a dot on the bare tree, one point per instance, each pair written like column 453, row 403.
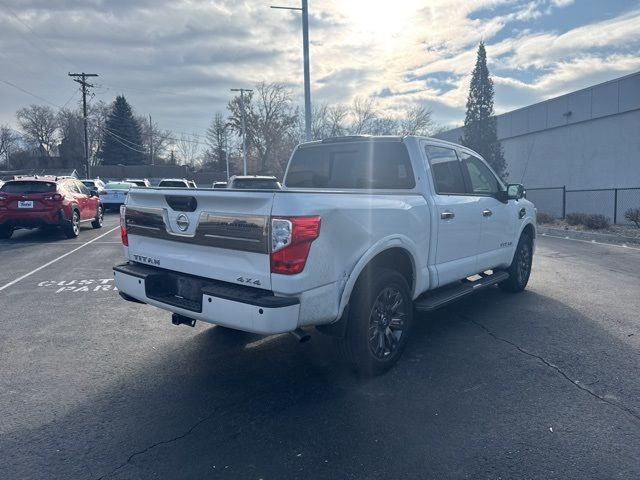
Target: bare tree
column 337, row 116
column 71, row 147
column 364, row 114
column 417, row 121
column 154, row 136
column 320, row 123
column 40, row 126
column 271, row 121
column 216, row 138
column 97, row 115
column 7, row 140
column 383, row 126
column 188, row 148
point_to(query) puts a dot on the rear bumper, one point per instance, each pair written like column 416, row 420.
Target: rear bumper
column 37, row 219
column 221, row 303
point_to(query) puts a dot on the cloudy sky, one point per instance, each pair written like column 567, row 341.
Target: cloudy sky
column 177, row 60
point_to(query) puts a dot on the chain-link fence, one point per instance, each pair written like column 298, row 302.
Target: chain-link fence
column 610, row 202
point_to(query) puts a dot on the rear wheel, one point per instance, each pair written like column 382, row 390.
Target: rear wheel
column 72, row 230
column 6, row 231
column 379, row 321
column 97, row 222
column 520, row 268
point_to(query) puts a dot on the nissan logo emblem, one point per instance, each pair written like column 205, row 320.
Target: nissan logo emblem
column 183, row 222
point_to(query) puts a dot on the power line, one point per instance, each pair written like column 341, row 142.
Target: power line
column 115, row 137
column 29, row 93
column 45, row 42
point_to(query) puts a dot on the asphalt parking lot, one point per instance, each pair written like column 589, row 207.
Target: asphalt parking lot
column 540, row 385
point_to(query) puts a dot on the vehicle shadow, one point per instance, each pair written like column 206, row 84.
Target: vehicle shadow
column 465, row 401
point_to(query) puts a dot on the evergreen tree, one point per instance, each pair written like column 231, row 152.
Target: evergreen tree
column 122, row 141
column 480, row 123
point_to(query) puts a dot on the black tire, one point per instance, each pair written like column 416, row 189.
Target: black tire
column 379, row 321
column 520, row 268
column 97, row 222
column 72, row 230
column 5, row 232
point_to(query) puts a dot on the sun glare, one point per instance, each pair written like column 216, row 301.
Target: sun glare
column 378, row 17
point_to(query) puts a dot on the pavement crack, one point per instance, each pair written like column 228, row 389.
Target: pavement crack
column 557, row 369
column 157, row 444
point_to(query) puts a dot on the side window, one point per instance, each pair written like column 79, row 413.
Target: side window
column 446, row 170
column 483, row 181
column 70, row 186
column 82, row 188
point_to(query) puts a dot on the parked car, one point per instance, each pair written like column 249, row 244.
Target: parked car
column 95, row 184
column 364, row 231
column 139, row 182
column 219, row 185
column 176, row 183
column 254, row 182
column 115, row 194
column 39, row 201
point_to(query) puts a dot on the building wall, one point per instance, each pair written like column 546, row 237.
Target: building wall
column 585, row 139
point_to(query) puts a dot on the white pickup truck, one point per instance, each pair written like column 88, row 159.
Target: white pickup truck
column 365, row 231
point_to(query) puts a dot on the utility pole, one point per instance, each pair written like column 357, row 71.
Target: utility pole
column 151, row 141
column 305, row 51
column 244, row 137
column 81, row 78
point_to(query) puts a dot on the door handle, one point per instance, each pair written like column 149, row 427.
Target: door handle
column 487, row 213
column 447, row 215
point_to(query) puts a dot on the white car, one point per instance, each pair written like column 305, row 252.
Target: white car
column 114, row 194
column 364, row 231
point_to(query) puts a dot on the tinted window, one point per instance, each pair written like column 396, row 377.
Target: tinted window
column 89, row 183
column 258, row 184
column 28, row 187
column 446, row 170
column 360, row 165
column 483, row 181
column 172, row 183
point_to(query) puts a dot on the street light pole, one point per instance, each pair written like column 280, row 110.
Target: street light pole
column 307, row 75
column 244, row 137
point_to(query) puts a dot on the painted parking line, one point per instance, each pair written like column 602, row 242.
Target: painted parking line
column 592, row 242
column 13, row 282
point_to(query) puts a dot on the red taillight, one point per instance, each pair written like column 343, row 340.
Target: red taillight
column 123, row 226
column 291, row 239
column 3, row 198
column 56, row 197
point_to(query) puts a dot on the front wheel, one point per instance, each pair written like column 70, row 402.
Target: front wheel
column 379, row 321
column 520, row 268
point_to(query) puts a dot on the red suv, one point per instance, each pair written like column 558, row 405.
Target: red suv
column 31, row 202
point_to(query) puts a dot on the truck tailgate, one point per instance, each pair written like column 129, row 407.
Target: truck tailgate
column 208, row 233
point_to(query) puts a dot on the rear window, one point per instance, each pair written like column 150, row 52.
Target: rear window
column 28, row 187
column 172, row 183
column 353, row 165
column 117, row 186
column 256, row 184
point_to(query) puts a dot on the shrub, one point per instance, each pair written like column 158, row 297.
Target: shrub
column 633, row 215
column 543, row 217
column 576, row 218
column 596, row 221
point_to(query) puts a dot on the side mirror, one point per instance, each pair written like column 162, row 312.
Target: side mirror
column 93, row 193
column 515, row 191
